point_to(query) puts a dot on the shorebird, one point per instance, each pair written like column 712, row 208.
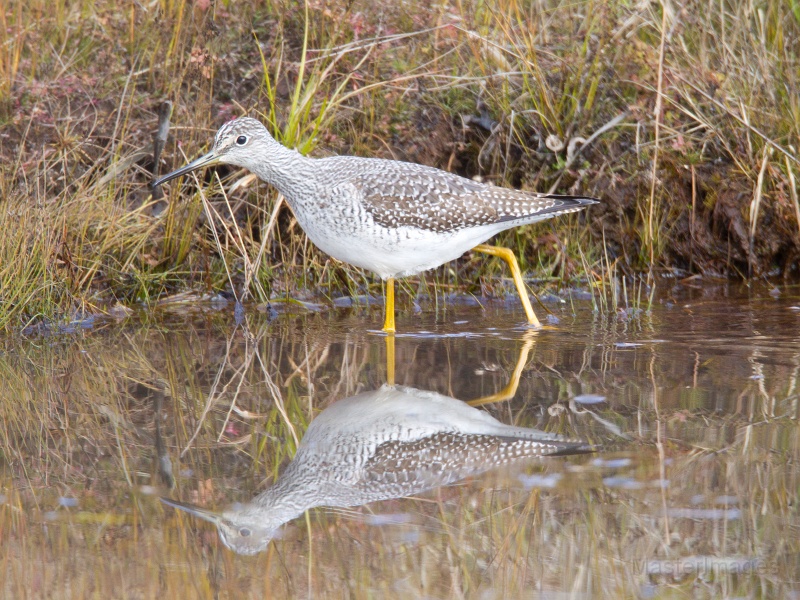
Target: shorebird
column 394, row 218
column 388, row 443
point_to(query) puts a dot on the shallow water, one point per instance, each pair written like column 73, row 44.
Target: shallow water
column 692, row 408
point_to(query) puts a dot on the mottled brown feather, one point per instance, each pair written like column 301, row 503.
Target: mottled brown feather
column 426, row 198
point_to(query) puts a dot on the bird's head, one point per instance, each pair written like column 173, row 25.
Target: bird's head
column 242, row 142
column 243, row 530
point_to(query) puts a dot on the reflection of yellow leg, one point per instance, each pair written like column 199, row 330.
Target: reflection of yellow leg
column 508, row 256
column 390, row 359
column 510, row 390
column 388, row 324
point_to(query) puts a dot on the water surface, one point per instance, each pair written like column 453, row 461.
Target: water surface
column 692, row 408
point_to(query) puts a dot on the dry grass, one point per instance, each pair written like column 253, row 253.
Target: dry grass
column 556, row 96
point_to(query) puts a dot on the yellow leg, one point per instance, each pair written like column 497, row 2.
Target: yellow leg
column 508, row 392
column 390, row 359
column 508, row 256
column 388, row 324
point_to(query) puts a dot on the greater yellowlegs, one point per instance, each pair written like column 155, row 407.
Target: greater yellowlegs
column 388, row 443
column 390, row 217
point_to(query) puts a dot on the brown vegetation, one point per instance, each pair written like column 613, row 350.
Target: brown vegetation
column 684, row 119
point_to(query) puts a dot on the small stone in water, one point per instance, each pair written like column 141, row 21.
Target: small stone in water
column 539, row 481
column 388, row 519
column 612, row 463
column 726, row 500
column 589, row 399
column 626, row 483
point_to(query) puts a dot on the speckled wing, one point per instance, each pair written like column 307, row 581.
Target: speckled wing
column 446, row 457
column 399, row 194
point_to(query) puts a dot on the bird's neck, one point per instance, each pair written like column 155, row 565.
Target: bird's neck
column 287, row 170
column 289, row 497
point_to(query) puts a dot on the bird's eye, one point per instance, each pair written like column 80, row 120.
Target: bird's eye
column 241, row 140
column 244, row 531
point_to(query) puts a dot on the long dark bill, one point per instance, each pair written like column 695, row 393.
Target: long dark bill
column 203, row 161
column 193, row 510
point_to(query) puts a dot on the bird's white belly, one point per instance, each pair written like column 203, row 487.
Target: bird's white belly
column 400, row 252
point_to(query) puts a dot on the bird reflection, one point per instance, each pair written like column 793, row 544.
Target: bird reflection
column 388, row 443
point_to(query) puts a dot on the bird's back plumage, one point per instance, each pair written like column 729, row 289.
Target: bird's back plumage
column 401, row 194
